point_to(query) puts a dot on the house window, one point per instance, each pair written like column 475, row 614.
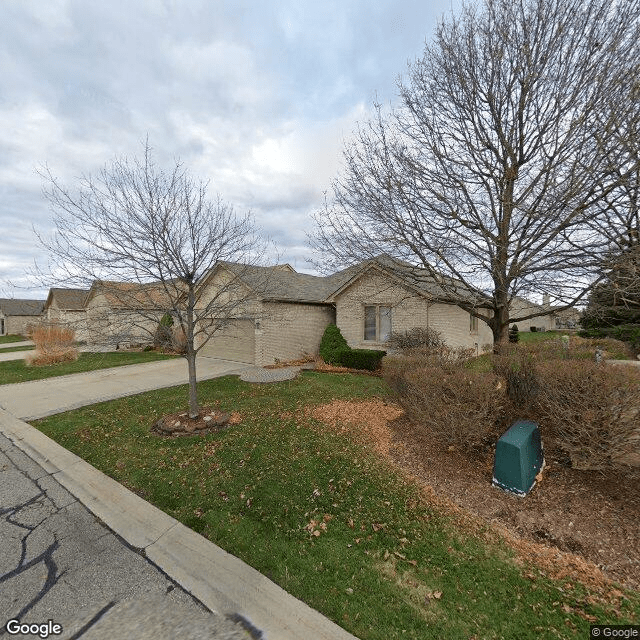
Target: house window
column 377, row 323
column 473, row 324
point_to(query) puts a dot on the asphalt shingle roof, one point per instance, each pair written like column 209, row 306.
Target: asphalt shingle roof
column 69, row 298
column 16, row 307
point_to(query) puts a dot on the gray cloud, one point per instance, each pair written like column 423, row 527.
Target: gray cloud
column 255, row 97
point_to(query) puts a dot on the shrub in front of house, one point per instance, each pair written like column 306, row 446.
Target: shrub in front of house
column 368, row 359
column 331, row 344
column 590, row 412
column 416, row 338
column 514, row 334
column 163, row 336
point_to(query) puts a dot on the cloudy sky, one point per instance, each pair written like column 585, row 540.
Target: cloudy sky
column 256, row 97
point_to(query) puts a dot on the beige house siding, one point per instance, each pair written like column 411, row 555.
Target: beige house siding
column 522, row 307
column 287, row 331
column 17, row 325
column 75, row 320
column 113, row 327
column 408, row 310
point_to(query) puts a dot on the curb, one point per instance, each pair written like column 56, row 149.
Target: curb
column 223, row 583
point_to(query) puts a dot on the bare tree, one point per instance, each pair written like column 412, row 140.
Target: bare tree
column 491, row 172
column 145, row 241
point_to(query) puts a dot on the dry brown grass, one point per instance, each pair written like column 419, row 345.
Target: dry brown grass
column 54, row 344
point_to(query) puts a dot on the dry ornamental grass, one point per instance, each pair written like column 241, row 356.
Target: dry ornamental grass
column 54, row 344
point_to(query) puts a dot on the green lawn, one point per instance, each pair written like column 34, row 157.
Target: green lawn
column 12, row 338
column 12, row 349
column 540, row 336
column 386, row 564
column 17, row 371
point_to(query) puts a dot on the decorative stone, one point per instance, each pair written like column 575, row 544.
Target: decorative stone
column 208, row 418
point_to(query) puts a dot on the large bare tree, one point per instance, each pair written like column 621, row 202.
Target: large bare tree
column 499, row 158
column 144, row 240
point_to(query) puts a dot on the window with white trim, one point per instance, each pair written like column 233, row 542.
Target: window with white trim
column 377, row 323
column 473, row 323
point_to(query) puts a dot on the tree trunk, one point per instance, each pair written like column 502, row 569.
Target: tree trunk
column 194, row 409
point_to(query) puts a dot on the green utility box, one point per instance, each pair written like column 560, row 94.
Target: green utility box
column 519, row 458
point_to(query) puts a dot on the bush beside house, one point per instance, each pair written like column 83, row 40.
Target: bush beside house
column 335, row 350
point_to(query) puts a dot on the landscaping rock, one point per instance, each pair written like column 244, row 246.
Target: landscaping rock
column 209, row 421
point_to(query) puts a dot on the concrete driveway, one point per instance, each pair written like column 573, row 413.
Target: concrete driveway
column 40, row 398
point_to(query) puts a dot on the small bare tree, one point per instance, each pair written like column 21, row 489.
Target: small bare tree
column 496, row 166
column 145, row 241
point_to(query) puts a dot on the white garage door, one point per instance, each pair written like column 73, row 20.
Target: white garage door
column 235, row 342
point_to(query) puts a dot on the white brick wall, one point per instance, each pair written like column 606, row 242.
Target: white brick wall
column 408, row 310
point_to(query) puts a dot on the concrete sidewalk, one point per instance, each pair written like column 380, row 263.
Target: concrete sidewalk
column 14, row 355
column 22, row 343
column 58, row 562
column 40, row 398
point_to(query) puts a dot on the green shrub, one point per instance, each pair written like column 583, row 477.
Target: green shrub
column 629, row 333
column 163, row 335
column 369, row 359
column 332, row 342
column 514, row 334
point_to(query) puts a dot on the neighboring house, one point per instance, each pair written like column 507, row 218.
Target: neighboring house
column 284, row 314
column 124, row 314
column 543, row 319
column 67, row 307
column 566, row 318
column 547, row 317
column 17, row 315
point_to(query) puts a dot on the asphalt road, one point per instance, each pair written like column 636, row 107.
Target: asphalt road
column 58, row 563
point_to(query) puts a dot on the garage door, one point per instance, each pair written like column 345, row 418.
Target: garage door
column 235, row 342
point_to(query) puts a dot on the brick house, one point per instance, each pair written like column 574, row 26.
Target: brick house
column 282, row 314
column 67, row 307
column 17, row 315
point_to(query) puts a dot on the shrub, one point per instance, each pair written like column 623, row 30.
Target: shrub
column 533, row 329
column 591, row 412
column 369, row 359
column 178, row 340
column 519, row 372
column 514, row 335
column 331, row 344
column 163, row 336
column 629, row 333
column 54, row 343
column 416, row 338
column 447, row 401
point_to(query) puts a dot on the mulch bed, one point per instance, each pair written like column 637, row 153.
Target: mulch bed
column 590, row 514
column 579, row 525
